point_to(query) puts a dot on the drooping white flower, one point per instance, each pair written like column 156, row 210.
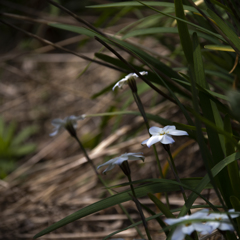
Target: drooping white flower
column 163, row 135
column 126, row 78
column 184, row 229
column 119, row 160
column 223, row 222
column 67, row 122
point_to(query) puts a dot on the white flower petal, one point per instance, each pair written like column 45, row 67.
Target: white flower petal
column 120, row 160
column 108, row 162
column 57, row 122
column 144, row 73
column 203, row 228
column 178, row 233
column 145, row 141
column 213, row 225
column 167, row 139
column 200, row 214
column 226, row 227
column 155, row 130
column 177, row 132
column 154, row 139
column 54, row 133
column 110, row 167
column 169, row 127
column 188, row 229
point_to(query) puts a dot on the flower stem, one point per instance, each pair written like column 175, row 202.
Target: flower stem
column 173, row 167
column 142, row 111
column 104, row 184
column 138, row 205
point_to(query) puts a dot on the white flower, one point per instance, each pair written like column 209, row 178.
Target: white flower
column 223, row 222
column 163, row 135
column 119, row 160
column 124, row 80
column 187, row 228
column 65, row 123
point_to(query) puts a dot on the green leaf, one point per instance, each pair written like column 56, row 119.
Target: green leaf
column 226, row 29
column 183, row 31
column 215, row 170
column 136, row 4
column 24, row 135
column 236, row 205
column 24, row 149
column 153, row 217
column 158, row 185
column 222, row 6
column 159, row 220
column 161, row 206
column 164, row 30
column 220, row 48
column 233, row 169
column 211, row 112
column 189, row 23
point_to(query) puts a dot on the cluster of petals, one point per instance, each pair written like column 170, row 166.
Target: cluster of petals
column 62, row 123
column 163, row 135
column 119, row 160
column 206, row 226
column 126, row 78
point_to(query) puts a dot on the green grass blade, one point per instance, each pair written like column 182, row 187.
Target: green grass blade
column 160, row 185
column 183, row 31
column 233, row 169
column 225, row 29
column 215, row 170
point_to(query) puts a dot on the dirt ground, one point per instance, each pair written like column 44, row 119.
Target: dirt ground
column 56, row 180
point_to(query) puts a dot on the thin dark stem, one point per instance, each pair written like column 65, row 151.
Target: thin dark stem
column 142, row 111
column 173, row 167
column 138, row 205
column 86, row 156
column 103, row 182
column 135, row 70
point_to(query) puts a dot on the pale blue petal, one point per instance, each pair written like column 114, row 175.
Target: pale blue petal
column 167, row 139
column 226, row 227
column 155, row 130
column 178, row 233
column 154, row 139
column 54, row 133
column 144, row 73
column 110, row 167
column 108, row 162
column 145, row 141
column 169, row 127
column 177, row 132
column 57, row 122
column 171, row 221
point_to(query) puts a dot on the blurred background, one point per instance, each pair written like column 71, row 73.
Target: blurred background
column 44, row 179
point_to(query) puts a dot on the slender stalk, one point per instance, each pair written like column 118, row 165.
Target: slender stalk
column 142, row 111
column 103, row 182
column 138, row 205
column 173, row 167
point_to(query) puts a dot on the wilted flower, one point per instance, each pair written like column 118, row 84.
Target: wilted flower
column 129, row 76
column 223, row 222
column 187, row 228
column 163, row 135
column 69, row 123
column 119, row 160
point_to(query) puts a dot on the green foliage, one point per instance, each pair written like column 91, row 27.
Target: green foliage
column 204, row 48
column 13, row 146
